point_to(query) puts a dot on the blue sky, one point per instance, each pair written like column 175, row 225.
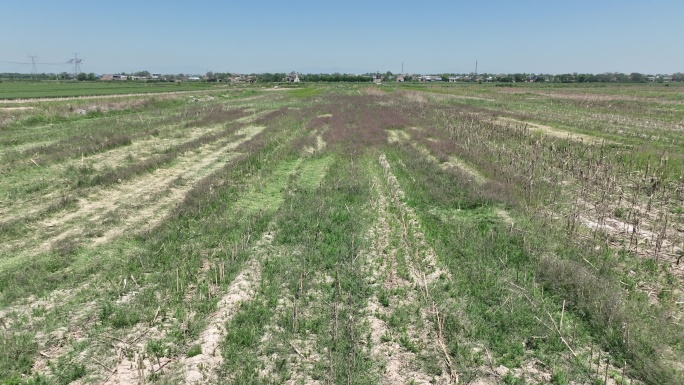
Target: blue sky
column 351, row 36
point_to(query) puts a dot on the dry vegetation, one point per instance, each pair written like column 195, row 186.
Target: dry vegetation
column 344, row 234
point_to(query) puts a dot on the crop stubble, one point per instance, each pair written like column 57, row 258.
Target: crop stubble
column 400, row 268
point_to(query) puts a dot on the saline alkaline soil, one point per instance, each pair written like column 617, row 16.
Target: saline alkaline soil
column 357, row 234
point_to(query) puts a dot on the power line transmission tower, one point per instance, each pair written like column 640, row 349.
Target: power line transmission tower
column 34, row 71
column 77, row 65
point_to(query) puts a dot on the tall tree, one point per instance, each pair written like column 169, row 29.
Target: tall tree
column 637, row 77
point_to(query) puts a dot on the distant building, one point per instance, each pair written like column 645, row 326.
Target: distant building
column 243, row 78
column 107, row 77
column 430, row 78
column 194, row 79
column 292, row 78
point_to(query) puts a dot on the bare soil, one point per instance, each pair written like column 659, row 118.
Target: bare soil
column 552, row 131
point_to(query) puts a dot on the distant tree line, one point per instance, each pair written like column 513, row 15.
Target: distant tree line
column 46, row 76
column 336, row 77
column 612, row 77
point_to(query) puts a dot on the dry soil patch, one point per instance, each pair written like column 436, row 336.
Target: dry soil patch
column 551, row 131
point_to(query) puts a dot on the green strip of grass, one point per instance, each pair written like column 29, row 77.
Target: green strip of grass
column 305, row 92
column 328, row 224
column 26, row 90
column 324, row 226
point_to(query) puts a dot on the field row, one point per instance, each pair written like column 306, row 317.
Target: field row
column 338, row 235
column 24, row 90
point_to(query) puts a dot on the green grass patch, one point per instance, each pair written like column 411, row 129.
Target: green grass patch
column 27, row 90
column 490, row 264
column 305, row 92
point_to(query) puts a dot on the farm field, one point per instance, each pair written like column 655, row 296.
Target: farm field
column 48, row 89
column 345, row 234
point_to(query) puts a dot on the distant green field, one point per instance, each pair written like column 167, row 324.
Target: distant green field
column 305, row 92
column 28, row 90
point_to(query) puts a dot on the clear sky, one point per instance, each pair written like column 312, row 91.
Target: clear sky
column 350, row 36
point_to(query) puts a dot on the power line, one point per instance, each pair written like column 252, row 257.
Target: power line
column 9, row 69
column 17, row 66
column 12, row 62
column 77, row 64
column 34, row 70
column 27, row 63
